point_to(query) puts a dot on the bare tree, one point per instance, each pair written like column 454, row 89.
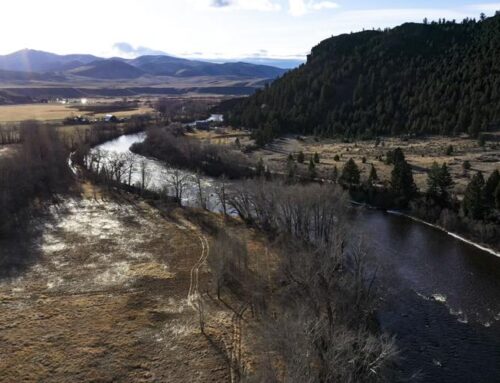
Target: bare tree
column 145, row 174
column 130, row 162
column 201, row 197
column 177, row 181
column 221, row 193
column 117, row 164
column 228, row 261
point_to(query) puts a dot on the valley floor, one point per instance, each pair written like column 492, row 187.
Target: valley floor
column 420, row 153
column 105, row 299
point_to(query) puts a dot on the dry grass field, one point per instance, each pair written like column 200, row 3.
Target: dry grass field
column 104, row 297
column 53, row 112
column 421, row 153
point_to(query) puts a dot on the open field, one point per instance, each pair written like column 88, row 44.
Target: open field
column 103, row 296
column 105, row 299
column 420, row 153
column 53, row 112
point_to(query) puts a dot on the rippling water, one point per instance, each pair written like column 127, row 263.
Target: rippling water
column 442, row 296
column 442, row 299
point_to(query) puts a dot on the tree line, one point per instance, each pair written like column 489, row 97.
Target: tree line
column 477, row 214
column 37, row 168
column 431, row 78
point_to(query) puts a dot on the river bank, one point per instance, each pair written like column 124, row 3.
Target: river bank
column 418, row 263
column 481, row 247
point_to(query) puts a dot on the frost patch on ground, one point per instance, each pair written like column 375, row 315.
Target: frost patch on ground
column 87, row 245
column 180, row 328
column 116, row 274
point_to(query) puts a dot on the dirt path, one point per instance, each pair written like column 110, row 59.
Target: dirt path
column 105, row 300
column 194, row 293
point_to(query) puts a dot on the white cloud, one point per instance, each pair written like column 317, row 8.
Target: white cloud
column 124, row 49
column 245, row 5
column 301, row 7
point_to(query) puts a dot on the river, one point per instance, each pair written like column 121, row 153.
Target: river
column 441, row 296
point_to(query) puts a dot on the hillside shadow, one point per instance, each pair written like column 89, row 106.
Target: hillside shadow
column 19, row 251
column 20, row 248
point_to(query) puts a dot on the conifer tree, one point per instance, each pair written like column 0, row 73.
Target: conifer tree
column 291, row 167
column 445, row 181
column 402, row 182
column 300, row 157
column 350, row 173
column 497, row 197
column 316, row 158
column 473, row 202
column 373, row 175
column 312, row 169
column 490, row 188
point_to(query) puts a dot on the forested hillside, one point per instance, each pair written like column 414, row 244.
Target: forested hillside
column 431, row 78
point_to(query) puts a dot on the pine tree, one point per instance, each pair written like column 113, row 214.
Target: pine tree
column 312, row 169
column 373, row 175
column 402, row 182
column 490, row 188
column 497, row 197
column 433, row 179
column 316, row 158
column 300, row 157
column 291, row 168
column 445, row 181
column 473, row 202
column 350, row 173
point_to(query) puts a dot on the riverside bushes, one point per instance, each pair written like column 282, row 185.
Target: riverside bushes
column 169, row 145
column 315, row 321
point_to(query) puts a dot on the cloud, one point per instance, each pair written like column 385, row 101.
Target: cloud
column 302, row 7
column 245, row 5
column 124, row 49
column 221, row 3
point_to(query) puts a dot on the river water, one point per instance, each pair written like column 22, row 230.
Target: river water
column 159, row 173
column 441, row 296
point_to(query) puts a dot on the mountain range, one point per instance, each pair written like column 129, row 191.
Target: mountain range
column 27, row 64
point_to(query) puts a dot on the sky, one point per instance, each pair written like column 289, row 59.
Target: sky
column 225, row 29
